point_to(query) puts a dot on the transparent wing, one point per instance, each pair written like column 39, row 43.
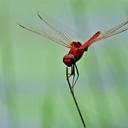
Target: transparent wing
column 50, row 32
column 46, row 35
column 115, row 30
column 48, row 21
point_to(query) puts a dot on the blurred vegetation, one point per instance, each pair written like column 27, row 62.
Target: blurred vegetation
column 33, row 88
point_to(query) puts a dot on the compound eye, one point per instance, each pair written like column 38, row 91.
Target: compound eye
column 68, row 60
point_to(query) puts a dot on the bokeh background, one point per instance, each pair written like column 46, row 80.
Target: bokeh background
column 33, row 88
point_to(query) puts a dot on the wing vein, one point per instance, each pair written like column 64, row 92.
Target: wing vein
column 114, row 31
column 44, row 34
column 54, row 28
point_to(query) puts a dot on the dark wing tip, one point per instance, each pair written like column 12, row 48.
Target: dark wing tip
column 20, row 25
column 38, row 14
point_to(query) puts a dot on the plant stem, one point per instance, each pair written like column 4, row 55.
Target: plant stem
column 74, row 99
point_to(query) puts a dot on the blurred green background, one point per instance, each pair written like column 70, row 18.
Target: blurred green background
column 33, row 88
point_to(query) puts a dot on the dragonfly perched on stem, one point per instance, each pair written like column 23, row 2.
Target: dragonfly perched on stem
column 77, row 49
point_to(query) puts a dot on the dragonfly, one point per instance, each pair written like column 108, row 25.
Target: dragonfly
column 76, row 48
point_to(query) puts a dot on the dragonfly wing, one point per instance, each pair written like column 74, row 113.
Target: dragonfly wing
column 47, row 35
column 114, row 31
column 51, row 24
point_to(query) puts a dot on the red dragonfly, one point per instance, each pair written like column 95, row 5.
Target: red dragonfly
column 76, row 48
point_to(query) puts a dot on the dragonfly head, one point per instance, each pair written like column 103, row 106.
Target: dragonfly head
column 68, row 60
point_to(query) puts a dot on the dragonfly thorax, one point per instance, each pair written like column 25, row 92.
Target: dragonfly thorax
column 74, row 54
column 75, row 44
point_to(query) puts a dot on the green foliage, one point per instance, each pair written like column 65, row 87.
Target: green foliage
column 33, row 88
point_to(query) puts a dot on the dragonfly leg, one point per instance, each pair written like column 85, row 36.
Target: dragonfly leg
column 77, row 75
column 68, row 75
column 72, row 70
column 74, row 73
